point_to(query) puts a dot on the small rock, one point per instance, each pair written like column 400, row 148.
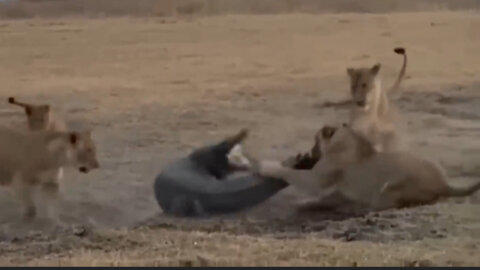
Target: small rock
column 349, row 235
column 418, row 263
column 186, row 263
column 80, row 231
column 318, row 227
column 202, row 261
column 369, row 222
column 14, row 240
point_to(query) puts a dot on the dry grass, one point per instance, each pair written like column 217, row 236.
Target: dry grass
column 101, row 8
column 153, row 88
column 161, row 247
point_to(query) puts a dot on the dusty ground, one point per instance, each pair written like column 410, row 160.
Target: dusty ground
column 154, row 88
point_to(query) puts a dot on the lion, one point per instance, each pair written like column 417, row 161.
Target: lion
column 351, row 171
column 371, row 112
column 29, row 158
column 43, row 117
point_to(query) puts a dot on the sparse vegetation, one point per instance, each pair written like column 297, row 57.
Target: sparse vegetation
column 154, row 85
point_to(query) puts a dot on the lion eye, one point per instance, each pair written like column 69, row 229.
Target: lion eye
column 327, row 132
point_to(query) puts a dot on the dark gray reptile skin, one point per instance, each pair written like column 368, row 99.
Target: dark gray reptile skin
column 202, row 185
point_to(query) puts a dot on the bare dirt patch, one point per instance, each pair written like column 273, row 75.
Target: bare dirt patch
column 153, row 90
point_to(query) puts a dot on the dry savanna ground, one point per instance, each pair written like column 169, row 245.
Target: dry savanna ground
column 154, row 88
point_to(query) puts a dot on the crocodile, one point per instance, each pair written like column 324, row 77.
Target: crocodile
column 205, row 183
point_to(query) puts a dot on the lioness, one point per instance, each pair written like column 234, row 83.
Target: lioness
column 43, row 117
column 351, row 171
column 371, row 112
column 28, row 158
column 393, row 89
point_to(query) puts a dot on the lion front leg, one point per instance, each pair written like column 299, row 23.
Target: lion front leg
column 306, row 180
column 52, row 196
column 50, row 188
column 49, row 182
column 24, row 192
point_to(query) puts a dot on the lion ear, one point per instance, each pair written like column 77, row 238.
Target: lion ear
column 351, row 71
column 375, row 69
column 46, row 107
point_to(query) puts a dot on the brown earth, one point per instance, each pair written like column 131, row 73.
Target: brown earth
column 154, row 88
